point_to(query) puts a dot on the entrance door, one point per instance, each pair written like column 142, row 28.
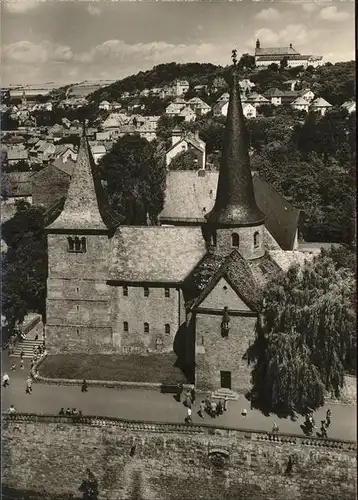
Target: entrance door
column 225, row 378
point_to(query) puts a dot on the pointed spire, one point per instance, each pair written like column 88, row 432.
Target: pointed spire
column 81, row 209
column 235, row 203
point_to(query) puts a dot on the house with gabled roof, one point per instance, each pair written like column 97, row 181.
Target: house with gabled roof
column 199, row 106
column 275, row 96
column 300, row 104
column 320, row 105
column 187, row 114
column 257, row 99
column 183, row 142
column 350, row 106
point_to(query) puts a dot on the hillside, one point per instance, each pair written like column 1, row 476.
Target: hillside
column 163, row 74
column 334, row 82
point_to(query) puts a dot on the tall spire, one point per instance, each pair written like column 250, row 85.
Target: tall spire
column 81, row 211
column 235, row 203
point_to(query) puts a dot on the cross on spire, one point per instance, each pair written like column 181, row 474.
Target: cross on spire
column 234, row 56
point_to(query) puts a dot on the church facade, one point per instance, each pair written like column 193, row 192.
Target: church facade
column 190, row 289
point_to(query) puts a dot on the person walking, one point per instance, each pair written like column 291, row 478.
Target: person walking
column 21, row 364
column 225, row 403
column 5, row 380
column 22, row 354
column 13, row 366
column 29, row 385
column 188, row 416
column 11, row 409
column 61, row 412
column 323, row 429
column 218, row 408
column 192, row 395
column 213, row 409
column 275, row 428
column 84, row 387
column 188, row 398
column 328, row 417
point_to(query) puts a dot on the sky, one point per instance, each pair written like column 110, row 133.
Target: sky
column 72, row 41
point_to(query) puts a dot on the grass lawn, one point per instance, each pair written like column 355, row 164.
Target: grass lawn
column 157, row 368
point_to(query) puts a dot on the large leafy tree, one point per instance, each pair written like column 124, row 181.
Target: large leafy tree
column 134, row 171
column 309, row 329
column 24, row 264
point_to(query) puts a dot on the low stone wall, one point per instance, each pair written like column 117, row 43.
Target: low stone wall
column 146, row 460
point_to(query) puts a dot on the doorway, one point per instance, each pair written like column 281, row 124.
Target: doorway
column 225, row 380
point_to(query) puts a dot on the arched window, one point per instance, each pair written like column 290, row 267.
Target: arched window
column 256, row 239
column 146, row 327
column 125, row 291
column 146, row 291
column 167, row 328
column 125, row 326
column 71, row 244
column 77, row 245
column 83, row 245
column 235, row 240
column 158, row 344
column 167, row 292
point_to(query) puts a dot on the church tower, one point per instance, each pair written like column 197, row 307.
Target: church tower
column 78, row 299
column 235, row 220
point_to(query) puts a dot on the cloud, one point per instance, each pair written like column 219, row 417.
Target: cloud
column 309, row 6
column 154, row 53
column 269, row 14
column 331, row 14
column 26, row 52
column 93, row 10
column 298, row 34
column 20, row 6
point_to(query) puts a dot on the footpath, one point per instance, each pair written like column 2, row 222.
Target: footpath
column 151, row 405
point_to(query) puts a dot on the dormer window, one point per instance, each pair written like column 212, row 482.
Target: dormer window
column 76, row 245
column 235, row 240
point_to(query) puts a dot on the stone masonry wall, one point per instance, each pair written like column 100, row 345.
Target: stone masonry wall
column 215, row 353
column 136, row 309
column 51, row 459
column 246, row 241
column 78, row 315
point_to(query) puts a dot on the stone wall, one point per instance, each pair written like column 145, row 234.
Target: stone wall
column 246, row 241
column 49, row 455
column 215, row 353
column 156, row 309
column 78, row 315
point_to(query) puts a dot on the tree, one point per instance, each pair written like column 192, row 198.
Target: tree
column 246, row 61
column 273, row 67
column 24, row 266
column 283, row 63
column 134, row 171
column 309, row 328
column 185, row 160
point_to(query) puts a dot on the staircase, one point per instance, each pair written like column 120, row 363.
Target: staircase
column 222, row 393
column 27, row 346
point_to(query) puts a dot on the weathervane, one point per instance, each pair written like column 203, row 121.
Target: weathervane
column 234, row 56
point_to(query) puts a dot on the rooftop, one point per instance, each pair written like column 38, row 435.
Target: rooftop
column 155, row 254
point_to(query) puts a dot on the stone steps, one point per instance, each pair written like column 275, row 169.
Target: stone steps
column 222, row 393
column 27, row 346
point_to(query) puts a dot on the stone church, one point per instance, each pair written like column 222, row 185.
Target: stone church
column 194, row 290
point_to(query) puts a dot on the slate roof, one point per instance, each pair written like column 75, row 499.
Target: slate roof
column 274, row 92
column 236, row 270
column 187, row 195
column 281, row 51
column 155, row 253
column 66, row 167
column 191, row 139
column 81, row 209
column 16, row 184
column 16, row 154
column 300, row 101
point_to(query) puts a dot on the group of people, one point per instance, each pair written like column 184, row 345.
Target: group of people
column 209, row 406
column 70, row 412
column 310, row 424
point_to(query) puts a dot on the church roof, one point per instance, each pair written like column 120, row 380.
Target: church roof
column 81, row 210
column 276, row 51
column 155, row 253
column 235, row 203
column 236, row 270
column 190, row 196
